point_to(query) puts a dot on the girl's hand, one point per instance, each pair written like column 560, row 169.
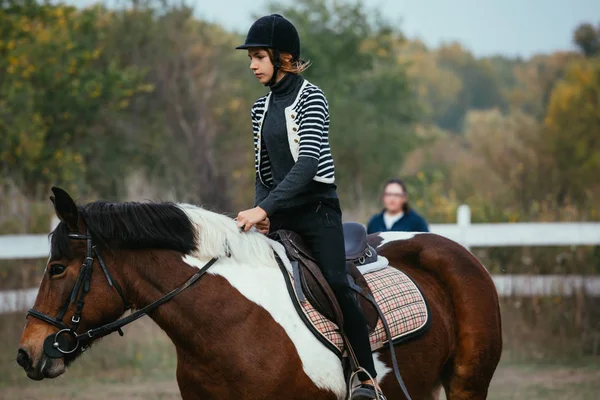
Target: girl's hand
column 264, row 226
column 248, row 218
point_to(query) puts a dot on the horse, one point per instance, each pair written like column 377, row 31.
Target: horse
column 229, row 314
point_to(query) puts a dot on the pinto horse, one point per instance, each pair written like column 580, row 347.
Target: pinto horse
column 234, row 326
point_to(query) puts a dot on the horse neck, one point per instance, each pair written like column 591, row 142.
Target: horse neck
column 148, row 276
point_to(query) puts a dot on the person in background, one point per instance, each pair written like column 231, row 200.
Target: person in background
column 397, row 214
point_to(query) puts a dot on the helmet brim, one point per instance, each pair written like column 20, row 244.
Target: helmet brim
column 250, row 45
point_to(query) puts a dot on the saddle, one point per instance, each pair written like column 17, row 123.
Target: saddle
column 310, row 284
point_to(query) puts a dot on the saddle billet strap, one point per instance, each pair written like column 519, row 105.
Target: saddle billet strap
column 298, row 307
column 389, row 336
column 291, row 249
column 297, row 282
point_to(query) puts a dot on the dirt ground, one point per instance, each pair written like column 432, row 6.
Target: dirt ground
column 142, row 366
column 524, row 381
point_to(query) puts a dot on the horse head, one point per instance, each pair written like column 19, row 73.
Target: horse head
column 71, row 299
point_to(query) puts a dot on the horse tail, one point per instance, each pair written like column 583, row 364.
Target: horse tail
column 474, row 300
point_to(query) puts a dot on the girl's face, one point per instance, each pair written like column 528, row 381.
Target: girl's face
column 260, row 64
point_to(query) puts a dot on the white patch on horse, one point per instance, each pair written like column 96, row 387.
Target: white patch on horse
column 218, row 236
column 393, row 236
column 265, row 286
column 380, row 367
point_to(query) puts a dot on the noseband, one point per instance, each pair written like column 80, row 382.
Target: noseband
column 59, row 344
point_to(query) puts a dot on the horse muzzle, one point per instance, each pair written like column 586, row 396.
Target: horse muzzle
column 44, row 367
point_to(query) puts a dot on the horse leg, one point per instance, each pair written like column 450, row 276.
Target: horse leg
column 469, row 371
column 470, row 374
column 478, row 334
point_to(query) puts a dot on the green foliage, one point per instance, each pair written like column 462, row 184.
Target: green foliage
column 587, row 38
column 437, row 87
column 370, row 100
column 55, row 87
column 573, row 135
column 199, row 113
column 450, row 81
column 480, row 89
column 90, row 97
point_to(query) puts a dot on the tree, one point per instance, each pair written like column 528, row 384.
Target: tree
column 535, row 81
column 573, row 135
column 371, row 103
column 198, row 114
column 436, row 87
column 587, row 38
column 480, row 88
column 56, row 85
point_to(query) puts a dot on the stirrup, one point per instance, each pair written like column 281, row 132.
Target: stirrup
column 367, row 392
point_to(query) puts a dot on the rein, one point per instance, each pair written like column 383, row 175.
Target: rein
column 57, row 345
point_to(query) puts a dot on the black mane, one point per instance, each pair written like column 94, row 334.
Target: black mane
column 131, row 225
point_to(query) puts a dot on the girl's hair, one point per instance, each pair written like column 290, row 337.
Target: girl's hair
column 287, row 65
column 397, row 181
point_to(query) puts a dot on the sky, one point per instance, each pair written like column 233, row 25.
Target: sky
column 485, row 27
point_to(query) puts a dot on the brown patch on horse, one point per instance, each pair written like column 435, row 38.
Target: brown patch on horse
column 55, row 291
column 464, row 343
column 229, row 347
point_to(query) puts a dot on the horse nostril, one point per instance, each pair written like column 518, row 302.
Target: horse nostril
column 23, row 359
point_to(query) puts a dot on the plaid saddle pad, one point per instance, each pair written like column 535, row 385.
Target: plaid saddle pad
column 400, row 300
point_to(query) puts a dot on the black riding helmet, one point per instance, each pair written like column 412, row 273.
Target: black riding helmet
column 277, row 33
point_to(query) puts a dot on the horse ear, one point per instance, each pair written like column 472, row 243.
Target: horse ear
column 65, row 208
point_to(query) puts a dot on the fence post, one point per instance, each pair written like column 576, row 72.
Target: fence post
column 463, row 220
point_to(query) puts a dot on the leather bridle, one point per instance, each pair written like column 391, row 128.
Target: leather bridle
column 67, row 340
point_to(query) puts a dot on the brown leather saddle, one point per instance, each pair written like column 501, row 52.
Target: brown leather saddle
column 310, row 284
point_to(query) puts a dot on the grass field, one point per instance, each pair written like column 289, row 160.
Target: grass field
column 512, row 381
column 142, row 366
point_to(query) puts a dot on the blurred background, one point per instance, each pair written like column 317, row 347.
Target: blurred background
column 490, row 104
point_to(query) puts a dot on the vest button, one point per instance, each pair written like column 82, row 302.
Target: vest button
column 293, row 116
column 296, row 140
column 294, row 129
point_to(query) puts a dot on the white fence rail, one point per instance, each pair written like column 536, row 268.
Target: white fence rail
column 12, row 301
column 518, row 234
column 16, row 247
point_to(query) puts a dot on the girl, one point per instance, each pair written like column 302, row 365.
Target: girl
column 295, row 187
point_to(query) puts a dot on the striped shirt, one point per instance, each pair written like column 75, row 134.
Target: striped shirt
column 307, row 123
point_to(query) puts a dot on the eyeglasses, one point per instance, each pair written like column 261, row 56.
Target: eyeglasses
column 396, row 195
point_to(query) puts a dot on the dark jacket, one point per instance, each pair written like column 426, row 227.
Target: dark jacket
column 410, row 222
column 294, row 165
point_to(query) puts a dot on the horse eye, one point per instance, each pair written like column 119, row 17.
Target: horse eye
column 57, row 269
